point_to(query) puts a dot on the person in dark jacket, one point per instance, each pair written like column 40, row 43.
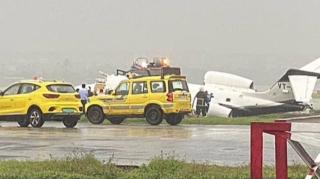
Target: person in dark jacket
column 201, row 102
column 90, row 93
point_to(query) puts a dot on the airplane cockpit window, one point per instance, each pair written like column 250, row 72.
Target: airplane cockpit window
column 12, row 90
column 123, row 89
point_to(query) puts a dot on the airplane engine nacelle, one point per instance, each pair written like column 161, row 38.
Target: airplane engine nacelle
column 216, row 110
column 226, row 79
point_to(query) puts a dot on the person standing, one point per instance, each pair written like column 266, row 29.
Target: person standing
column 201, row 100
column 83, row 92
column 90, row 93
column 208, row 100
column 101, row 92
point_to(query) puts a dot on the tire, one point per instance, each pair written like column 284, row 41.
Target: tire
column 154, row 116
column 23, row 122
column 174, row 119
column 116, row 120
column 35, row 117
column 95, row 115
column 70, row 122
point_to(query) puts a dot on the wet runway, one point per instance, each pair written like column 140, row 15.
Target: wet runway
column 136, row 144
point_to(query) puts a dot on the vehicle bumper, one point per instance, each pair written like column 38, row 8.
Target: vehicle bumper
column 60, row 116
column 178, row 111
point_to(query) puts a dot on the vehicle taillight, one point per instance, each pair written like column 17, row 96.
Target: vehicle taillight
column 77, row 96
column 169, row 97
column 51, row 96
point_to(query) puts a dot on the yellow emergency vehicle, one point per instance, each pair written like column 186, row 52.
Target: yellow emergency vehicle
column 154, row 97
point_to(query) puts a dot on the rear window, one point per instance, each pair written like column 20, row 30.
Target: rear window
column 175, row 85
column 61, row 88
column 158, row 86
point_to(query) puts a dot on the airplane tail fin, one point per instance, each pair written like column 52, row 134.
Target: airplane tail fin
column 302, row 84
column 297, row 85
column 304, row 80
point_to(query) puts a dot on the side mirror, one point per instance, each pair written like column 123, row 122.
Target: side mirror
column 1, row 93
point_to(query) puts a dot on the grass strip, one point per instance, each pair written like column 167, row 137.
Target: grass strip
column 86, row 166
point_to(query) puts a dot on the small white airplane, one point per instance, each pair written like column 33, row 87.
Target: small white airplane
column 234, row 96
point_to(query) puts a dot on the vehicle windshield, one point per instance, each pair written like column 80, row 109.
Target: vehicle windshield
column 61, row 88
column 175, row 85
column 122, row 89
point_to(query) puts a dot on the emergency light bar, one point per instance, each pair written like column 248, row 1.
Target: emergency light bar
column 142, row 67
column 151, row 72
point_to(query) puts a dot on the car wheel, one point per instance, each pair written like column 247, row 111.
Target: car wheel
column 95, row 115
column 154, row 116
column 116, row 120
column 174, row 119
column 24, row 122
column 70, row 122
column 35, row 118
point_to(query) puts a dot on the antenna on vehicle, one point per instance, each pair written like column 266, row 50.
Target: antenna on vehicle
column 65, row 64
column 42, row 72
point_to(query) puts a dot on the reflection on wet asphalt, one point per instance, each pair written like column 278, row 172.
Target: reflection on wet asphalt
column 133, row 144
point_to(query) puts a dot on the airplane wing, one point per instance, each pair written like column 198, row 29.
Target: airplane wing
column 275, row 107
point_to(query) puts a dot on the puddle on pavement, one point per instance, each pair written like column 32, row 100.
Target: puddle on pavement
column 138, row 131
column 99, row 131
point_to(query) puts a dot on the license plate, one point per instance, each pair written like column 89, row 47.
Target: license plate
column 182, row 96
column 68, row 110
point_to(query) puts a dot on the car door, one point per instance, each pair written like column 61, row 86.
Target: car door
column 158, row 90
column 24, row 97
column 139, row 97
column 7, row 100
column 119, row 103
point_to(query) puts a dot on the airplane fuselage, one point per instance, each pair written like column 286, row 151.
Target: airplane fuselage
column 230, row 101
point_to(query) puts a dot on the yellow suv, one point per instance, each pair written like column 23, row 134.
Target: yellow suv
column 36, row 101
column 153, row 97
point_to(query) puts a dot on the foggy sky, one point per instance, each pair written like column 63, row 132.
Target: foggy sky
column 244, row 37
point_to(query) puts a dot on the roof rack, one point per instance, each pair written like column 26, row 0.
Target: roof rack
column 142, row 67
column 150, row 72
